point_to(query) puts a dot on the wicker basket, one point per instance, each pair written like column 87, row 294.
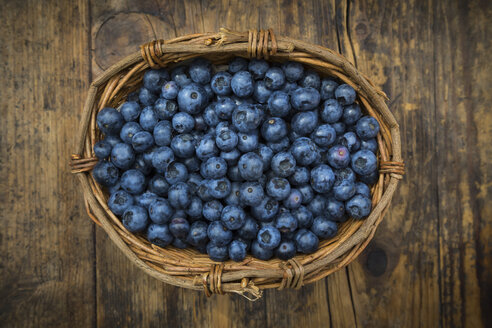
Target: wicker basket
column 188, row 268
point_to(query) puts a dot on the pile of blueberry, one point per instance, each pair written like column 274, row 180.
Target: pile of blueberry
column 252, row 156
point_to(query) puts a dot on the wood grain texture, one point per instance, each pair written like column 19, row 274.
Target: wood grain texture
column 429, row 264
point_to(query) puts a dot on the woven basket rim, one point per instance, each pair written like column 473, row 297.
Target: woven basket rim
column 249, row 277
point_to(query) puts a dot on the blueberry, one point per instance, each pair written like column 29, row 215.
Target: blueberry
column 194, row 181
column 237, row 250
column 327, row 89
column 226, row 140
column 109, row 121
column 345, row 94
column 176, row 172
column 135, row 218
column 233, row 217
column 351, row 114
column 129, row 130
column 324, row 228
column 192, row 164
column 304, row 151
column 294, row 199
column 203, row 190
column 335, row 209
column 283, row 164
column 141, row 165
column 102, row 149
column 345, row 174
column 183, row 145
column 219, row 188
column 278, row 188
column 206, row 148
column 280, row 146
column 268, row 237
column 331, row 111
column 289, row 87
column 242, row 84
column 338, row 157
column 219, row 234
column 210, row 116
column 367, row 127
column 322, row 178
column 161, row 157
column 247, row 141
column 180, row 76
column 310, row 79
column 112, row 140
column 233, row 197
column 165, row 108
column 224, row 107
column 251, row 193
column 266, row 210
column 317, row 206
column 179, row 227
column 258, row 67
column 370, row 144
column 146, row 97
column 154, row 79
column 192, row 98
column 122, row 156
column 293, row 71
column 200, row 70
column 194, row 210
column 286, row 250
column 160, row 211
column 170, row 90
column 339, row 127
column 304, row 123
column 305, row 99
column 148, row 119
column 285, row 222
column 306, row 192
column 214, row 168
column 142, row 141
column 358, row 207
column 260, row 252
column 250, row 166
column 238, row 64
column 159, row 235
column 303, row 216
column 145, row 199
column 221, row 83
column 130, row 111
column 217, row 253
column 274, row 78
column 364, row 162
column 324, row 135
column 179, row 195
column 246, row 118
column 274, row 129
column 212, row 210
column 119, row 201
column 158, row 185
column 183, row 122
column 133, row 181
column 266, row 154
column 300, row 176
column 306, row 242
column 249, row 230
column 349, row 140
column 362, row 189
column 231, row 157
column 279, row 104
column 261, row 93
column 198, row 233
column 343, row 189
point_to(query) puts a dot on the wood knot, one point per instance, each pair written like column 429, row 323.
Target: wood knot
column 293, row 275
column 79, row 164
column 258, row 43
column 212, row 281
column 395, row 169
column 152, row 52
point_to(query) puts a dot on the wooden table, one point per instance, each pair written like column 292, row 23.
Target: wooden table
column 430, row 263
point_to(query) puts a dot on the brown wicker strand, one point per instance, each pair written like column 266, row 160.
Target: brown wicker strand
column 187, row 268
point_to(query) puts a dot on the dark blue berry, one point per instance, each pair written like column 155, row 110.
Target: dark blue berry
column 266, row 210
column 317, row 206
column 237, row 250
column 133, row 181
column 192, row 98
column 306, row 192
column 221, row 83
column 198, row 233
column 303, row 216
column 119, row 201
column 203, row 190
column 339, row 127
column 249, row 230
column 219, row 234
column 268, row 237
column 345, row 94
column 367, row 127
column 310, row 79
column 224, row 107
column 130, row 111
column 200, row 71
column 246, row 118
column 160, row 211
column 183, row 145
column 179, row 195
column 122, row 156
column 331, row 111
column 251, row 193
column 238, row 64
column 233, row 217
column 300, row 176
column 327, row 89
column 285, row 222
column 278, row 188
column 304, row 151
column 212, row 210
column 183, row 122
column 180, row 243
column 219, row 188
column 280, row 146
column 216, row 252
column 148, row 119
column 102, row 149
column 364, row 162
column 159, row 235
column 293, row 71
column 370, row 144
column 258, row 67
column 306, row 241
column 274, row 78
column 358, row 207
column 145, row 199
column 305, row 99
column 141, row 165
column 279, row 104
column 335, row 209
column 194, row 181
column 179, row 227
column 304, row 123
column 349, row 140
column 283, row 164
column 260, row 252
column 286, row 250
column 261, row 93
column 274, row 129
column 206, row 148
column 180, row 76
column 176, row 172
column 294, row 199
column 226, row 140
column 142, row 141
column 362, row 189
column 170, row 90
column 109, row 121
column 343, row 189
column 351, row 114
column 324, row 135
column 370, row 178
column 105, row 173
column 322, row 178
column 210, row 116
column 338, row 157
column 146, row 97
column 135, row 218
column 247, row 141
column 161, row 158
column 324, row 228
column 242, row 84
column 129, row 130
column 250, row 166
column 231, row 157
column 233, row 197
column 165, row 108
column 214, row 168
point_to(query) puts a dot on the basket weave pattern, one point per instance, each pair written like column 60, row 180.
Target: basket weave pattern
column 186, row 267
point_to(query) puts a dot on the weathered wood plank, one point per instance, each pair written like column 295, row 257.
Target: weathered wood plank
column 395, row 281
column 46, row 242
